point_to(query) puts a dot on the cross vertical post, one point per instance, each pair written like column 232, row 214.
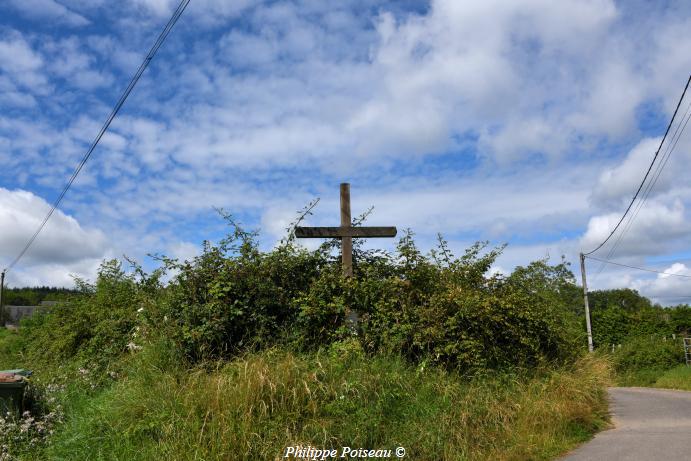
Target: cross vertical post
column 2, row 308
column 346, row 241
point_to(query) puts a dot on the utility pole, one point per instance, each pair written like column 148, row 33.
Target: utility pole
column 585, row 303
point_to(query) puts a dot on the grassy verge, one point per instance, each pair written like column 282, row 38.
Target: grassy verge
column 9, row 348
column 676, row 378
column 253, row 407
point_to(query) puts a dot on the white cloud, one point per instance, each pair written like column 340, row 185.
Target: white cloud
column 658, row 228
column 63, row 246
column 667, row 289
column 21, row 63
column 48, row 10
column 184, row 251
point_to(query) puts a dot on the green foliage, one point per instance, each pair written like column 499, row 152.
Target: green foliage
column 438, row 308
column 435, row 308
column 622, row 315
column 624, row 298
column 679, row 318
column 32, row 296
column 93, row 328
column 10, row 347
column 639, row 361
column 449, row 311
column 678, row 377
column 234, row 297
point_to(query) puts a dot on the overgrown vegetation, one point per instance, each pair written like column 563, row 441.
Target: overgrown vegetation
column 641, row 360
column 623, row 315
column 643, row 340
column 256, row 405
column 678, row 377
column 244, row 352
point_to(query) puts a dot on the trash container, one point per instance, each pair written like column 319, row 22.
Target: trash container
column 12, row 392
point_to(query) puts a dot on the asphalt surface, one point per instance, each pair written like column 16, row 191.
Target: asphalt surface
column 648, row 424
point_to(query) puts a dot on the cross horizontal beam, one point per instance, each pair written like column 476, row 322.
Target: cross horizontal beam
column 339, row 232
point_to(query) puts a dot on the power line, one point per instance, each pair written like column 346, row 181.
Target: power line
column 647, row 172
column 650, row 185
column 635, row 267
column 672, row 144
column 152, row 52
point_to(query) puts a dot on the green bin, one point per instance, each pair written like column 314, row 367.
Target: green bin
column 12, row 387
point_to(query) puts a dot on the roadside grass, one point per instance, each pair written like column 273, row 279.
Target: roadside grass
column 676, row 378
column 10, row 346
column 645, row 377
column 255, row 406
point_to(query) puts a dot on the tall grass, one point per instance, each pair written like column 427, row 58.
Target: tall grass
column 255, row 406
column 10, row 346
column 676, row 378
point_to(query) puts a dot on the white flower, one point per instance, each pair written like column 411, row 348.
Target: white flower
column 133, row 347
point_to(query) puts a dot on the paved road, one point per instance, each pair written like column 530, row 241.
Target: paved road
column 649, row 424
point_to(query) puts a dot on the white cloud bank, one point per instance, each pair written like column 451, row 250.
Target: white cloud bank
column 63, row 248
column 304, row 94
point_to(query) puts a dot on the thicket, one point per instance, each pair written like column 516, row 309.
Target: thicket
column 623, row 315
column 438, row 317
column 643, row 340
column 437, row 308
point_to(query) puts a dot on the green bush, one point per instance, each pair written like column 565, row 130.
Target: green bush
column 92, row 329
column 648, row 353
column 449, row 311
column 234, row 297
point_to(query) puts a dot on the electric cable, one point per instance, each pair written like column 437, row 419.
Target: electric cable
column 150, row 55
column 638, row 268
column 647, row 172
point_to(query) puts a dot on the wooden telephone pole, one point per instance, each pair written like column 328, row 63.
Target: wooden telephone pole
column 585, row 303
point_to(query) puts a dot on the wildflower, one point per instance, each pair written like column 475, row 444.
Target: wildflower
column 133, row 347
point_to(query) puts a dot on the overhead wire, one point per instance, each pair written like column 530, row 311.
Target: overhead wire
column 672, row 144
column 121, row 101
column 679, row 131
column 638, row 268
column 640, row 187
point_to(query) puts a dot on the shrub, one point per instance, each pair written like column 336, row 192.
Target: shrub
column 93, row 328
column 233, row 296
column 645, row 352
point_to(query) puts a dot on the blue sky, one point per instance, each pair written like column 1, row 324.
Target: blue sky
column 526, row 122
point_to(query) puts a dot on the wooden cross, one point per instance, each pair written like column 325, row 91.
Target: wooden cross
column 346, row 232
